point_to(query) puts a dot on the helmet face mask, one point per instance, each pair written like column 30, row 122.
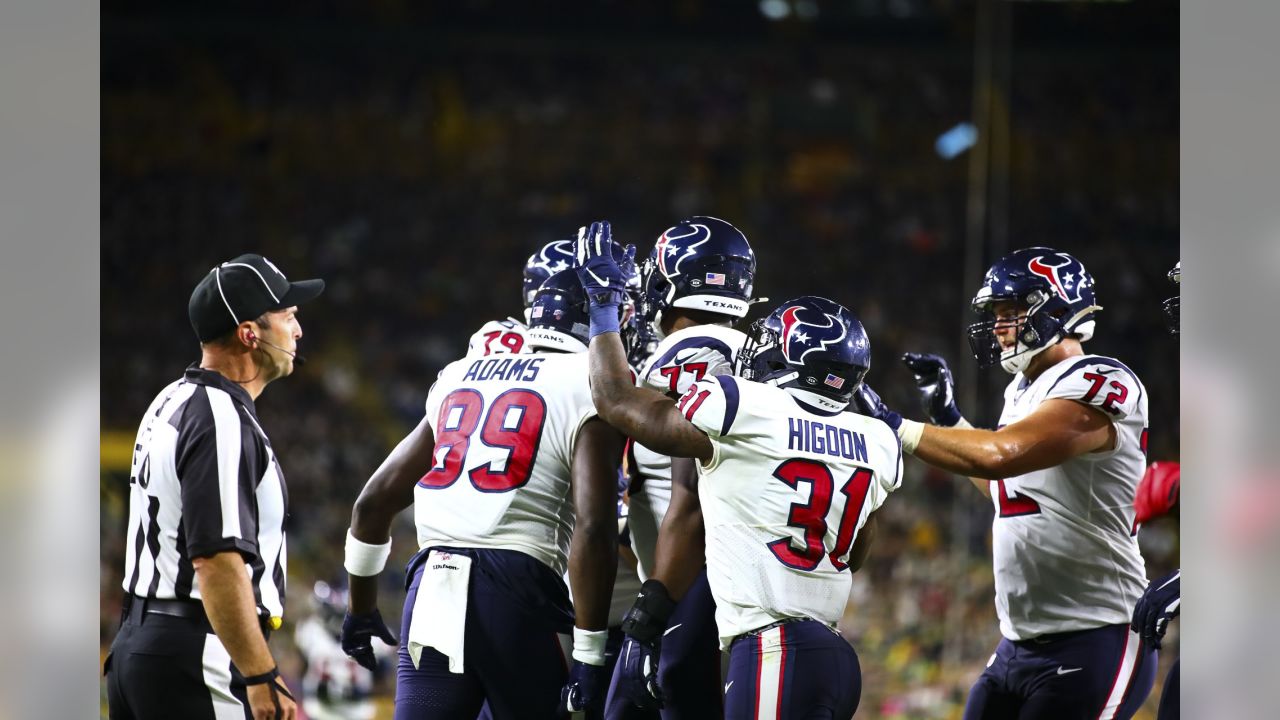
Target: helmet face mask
column 655, row 293
column 760, row 357
column 1173, row 306
column 1054, row 296
column 812, row 347
column 638, row 339
column 1033, row 332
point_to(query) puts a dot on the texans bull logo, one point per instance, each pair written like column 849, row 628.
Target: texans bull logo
column 1063, row 273
column 673, row 249
column 555, row 256
column 801, row 334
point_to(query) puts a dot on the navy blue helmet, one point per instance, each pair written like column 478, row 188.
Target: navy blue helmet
column 558, row 317
column 1173, row 306
column 554, row 257
column 702, row 263
column 809, row 344
column 638, row 339
column 1053, row 296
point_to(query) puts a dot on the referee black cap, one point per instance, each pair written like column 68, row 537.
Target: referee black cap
column 240, row 289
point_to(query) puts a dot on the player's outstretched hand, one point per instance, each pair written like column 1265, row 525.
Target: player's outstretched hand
column 358, row 632
column 1158, row 605
column 638, row 673
column 603, row 276
column 936, row 387
column 867, row 402
column 585, row 691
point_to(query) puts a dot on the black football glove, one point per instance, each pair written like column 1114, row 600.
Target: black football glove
column 937, row 389
column 358, row 632
column 585, row 691
column 1158, row 605
column 638, row 662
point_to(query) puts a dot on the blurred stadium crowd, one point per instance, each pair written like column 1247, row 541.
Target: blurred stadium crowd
column 415, row 175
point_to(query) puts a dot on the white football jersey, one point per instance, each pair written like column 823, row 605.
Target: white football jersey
column 505, row 428
column 783, row 498
column 681, row 359
column 1064, row 542
column 496, row 337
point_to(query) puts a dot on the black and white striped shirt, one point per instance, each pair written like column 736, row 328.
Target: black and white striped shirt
column 204, row 480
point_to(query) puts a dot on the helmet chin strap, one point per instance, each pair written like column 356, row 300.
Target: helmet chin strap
column 807, row 396
column 1018, row 360
column 657, row 315
column 778, row 381
column 656, row 325
column 812, row 398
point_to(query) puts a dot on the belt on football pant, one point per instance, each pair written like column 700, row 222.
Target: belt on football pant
column 193, row 610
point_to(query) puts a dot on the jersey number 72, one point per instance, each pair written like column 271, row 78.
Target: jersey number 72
column 812, row 516
column 513, row 422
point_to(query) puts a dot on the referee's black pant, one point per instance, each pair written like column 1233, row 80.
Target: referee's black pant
column 166, row 663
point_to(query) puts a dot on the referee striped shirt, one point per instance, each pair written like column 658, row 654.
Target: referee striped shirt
column 204, row 480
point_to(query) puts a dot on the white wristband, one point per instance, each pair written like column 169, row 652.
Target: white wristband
column 964, row 424
column 909, row 433
column 588, row 645
column 363, row 559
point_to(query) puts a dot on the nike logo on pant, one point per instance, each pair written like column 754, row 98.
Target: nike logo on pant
column 1064, row 671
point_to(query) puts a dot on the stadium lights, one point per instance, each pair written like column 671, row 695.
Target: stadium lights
column 956, row 140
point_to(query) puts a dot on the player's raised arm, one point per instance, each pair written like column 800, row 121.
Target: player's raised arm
column 648, row 417
column 388, row 492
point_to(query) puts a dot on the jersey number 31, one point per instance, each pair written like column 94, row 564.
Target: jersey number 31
column 812, row 516
column 512, row 423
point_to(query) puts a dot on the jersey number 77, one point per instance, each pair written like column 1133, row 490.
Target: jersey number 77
column 812, row 516
column 512, row 422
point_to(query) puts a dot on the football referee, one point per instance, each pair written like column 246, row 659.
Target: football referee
column 205, row 567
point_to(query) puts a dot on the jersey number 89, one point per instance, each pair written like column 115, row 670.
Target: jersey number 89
column 513, row 423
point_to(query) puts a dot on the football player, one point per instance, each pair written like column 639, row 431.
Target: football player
column 785, row 479
column 512, row 477
column 334, row 687
column 1061, row 470
column 508, row 335
column 696, row 283
column 1157, row 495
